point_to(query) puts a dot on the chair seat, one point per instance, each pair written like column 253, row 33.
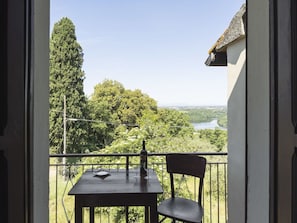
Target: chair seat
column 181, row 209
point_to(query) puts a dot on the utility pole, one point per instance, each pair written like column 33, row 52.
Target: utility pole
column 64, row 135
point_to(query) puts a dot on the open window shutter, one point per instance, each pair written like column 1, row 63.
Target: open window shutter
column 3, row 65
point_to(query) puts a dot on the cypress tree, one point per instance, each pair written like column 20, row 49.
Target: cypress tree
column 66, row 78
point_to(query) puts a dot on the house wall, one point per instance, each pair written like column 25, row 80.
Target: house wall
column 258, row 112
column 236, row 55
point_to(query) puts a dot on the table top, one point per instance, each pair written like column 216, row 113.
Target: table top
column 117, row 182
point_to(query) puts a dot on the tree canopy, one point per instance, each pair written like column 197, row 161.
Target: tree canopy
column 66, row 79
column 114, row 108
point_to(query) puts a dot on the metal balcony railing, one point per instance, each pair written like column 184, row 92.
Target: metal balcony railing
column 62, row 177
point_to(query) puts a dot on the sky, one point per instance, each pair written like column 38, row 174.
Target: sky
column 157, row 46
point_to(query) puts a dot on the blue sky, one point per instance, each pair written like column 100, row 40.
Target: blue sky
column 157, row 46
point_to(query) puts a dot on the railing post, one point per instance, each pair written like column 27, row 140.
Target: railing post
column 127, row 165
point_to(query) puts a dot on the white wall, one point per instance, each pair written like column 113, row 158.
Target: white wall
column 258, row 105
column 236, row 55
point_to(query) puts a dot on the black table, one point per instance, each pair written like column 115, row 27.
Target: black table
column 120, row 188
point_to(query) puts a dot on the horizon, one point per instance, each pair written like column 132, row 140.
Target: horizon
column 191, row 106
column 156, row 47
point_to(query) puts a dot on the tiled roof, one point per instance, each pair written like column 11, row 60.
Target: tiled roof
column 235, row 31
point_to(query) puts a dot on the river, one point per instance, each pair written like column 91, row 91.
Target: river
column 207, row 125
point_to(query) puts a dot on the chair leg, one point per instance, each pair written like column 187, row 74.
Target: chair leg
column 162, row 219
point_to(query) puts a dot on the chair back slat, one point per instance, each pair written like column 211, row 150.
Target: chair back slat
column 186, row 164
column 178, row 207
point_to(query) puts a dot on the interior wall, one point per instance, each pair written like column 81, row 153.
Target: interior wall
column 40, row 108
column 258, row 111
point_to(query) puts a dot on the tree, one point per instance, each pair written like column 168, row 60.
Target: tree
column 113, row 107
column 216, row 137
column 66, row 78
column 177, row 122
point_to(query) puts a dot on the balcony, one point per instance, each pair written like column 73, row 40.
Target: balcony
column 63, row 177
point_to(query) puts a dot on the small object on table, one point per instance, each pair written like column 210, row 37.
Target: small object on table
column 101, row 174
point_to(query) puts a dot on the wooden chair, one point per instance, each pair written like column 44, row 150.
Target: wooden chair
column 178, row 208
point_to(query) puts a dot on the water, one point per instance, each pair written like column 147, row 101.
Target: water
column 207, row 125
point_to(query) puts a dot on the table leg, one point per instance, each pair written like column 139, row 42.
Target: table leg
column 153, row 212
column 146, row 215
column 92, row 213
column 127, row 213
column 78, row 212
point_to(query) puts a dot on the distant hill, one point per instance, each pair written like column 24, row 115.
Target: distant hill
column 199, row 114
column 186, row 107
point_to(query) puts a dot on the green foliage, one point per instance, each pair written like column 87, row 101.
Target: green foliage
column 115, row 107
column 177, row 122
column 216, row 137
column 222, row 120
column 165, row 123
column 66, row 78
column 124, row 118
